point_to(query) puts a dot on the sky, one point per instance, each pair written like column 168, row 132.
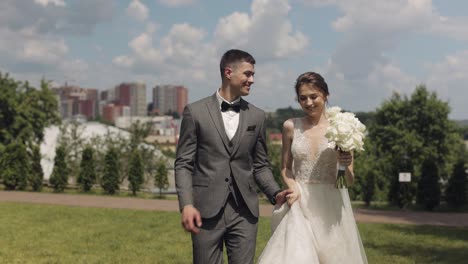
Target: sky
column 365, row 49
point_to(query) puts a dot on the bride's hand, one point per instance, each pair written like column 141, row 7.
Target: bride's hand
column 293, row 197
column 345, row 158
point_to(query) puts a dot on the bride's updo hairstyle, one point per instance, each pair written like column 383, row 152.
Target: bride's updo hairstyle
column 312, row 78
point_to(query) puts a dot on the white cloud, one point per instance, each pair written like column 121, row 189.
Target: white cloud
column 373, row 28
column 267, row 32
column 395, row 17
column 52, row 2
column 152, row 27
column 390, row 78
column 123, row 61
column 178, row 44
column 273, row 87
column 453, row 27
column 30, row 49
column 368, row 91
column 449, row 79
column 77, row 68
column 181, row 50
column 78, row 17
column 43, row 50
column 177, row 3
column 137, row 10
column 388, row 16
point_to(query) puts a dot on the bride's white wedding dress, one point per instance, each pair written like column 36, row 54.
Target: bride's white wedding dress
column 320, row 227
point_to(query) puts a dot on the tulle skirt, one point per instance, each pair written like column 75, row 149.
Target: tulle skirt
column 319, row 228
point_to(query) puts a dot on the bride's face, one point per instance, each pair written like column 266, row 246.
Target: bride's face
column 311, row 99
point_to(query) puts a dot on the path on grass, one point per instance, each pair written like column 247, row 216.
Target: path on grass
column 362, row 215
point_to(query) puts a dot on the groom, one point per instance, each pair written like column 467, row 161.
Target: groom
column 221, row 158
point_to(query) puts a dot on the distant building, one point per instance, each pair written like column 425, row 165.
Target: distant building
column 164, row 129
column 75, row 100
column 160, row 125
column 132, row 95
column 169, row 98
column 111, row 112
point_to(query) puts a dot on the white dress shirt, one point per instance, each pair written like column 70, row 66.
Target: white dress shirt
column 230, row 117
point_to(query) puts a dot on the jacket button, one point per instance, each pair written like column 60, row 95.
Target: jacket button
column 226, row 180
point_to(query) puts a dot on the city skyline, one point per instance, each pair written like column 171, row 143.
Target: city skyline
column 127, row 99
column 366, row 50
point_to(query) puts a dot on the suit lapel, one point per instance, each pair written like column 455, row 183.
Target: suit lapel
column 215, row 114
column 243, row 120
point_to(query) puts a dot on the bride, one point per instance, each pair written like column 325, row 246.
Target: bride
column 316, row 225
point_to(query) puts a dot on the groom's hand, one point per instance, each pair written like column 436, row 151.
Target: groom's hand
column 281, row 196
column 191, row 219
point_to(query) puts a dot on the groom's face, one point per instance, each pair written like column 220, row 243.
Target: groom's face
column 241, row 77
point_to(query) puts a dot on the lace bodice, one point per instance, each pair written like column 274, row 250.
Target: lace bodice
column 314, row 161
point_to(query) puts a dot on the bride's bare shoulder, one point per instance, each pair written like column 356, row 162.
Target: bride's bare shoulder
column 288, row 125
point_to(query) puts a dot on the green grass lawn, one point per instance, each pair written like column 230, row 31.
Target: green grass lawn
column 58, row 234
column 378, row 205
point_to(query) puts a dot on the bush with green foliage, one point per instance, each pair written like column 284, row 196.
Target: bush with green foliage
column 59, row 176
column 87, row 176
column 37, row 174
column 160, row 178
column 110, row 178
column 15, row 166
column 428, row 194
column 135, row 172
column 457, row 190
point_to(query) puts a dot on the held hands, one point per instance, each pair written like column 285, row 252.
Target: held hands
column 281, row 197
column 345, row 158
column 191, row 219
column 288, row 195
column 293, row 196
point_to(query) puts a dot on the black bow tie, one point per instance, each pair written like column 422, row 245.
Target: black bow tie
column 234, row 107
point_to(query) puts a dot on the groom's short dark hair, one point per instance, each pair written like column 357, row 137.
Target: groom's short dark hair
column 233, row 56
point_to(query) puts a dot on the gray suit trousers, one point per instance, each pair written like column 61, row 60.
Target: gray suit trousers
column 236, row 227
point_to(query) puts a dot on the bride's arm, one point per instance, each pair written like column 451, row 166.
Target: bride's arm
column 287, row 160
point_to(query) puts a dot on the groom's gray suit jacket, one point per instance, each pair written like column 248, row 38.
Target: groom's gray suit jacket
column 206, row 159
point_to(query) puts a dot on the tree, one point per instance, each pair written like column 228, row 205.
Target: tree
column 456, row 193
column 25, row 111
column 138, row 133
column 418, row 128
column 160, row 178
column 136, row 172
column 37, row 174
column 87, row 176
column 14, row 166
column 59, row 176
column 365, row 117
column 110, row 178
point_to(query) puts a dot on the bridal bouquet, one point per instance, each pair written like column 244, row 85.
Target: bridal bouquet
column 345, row 133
